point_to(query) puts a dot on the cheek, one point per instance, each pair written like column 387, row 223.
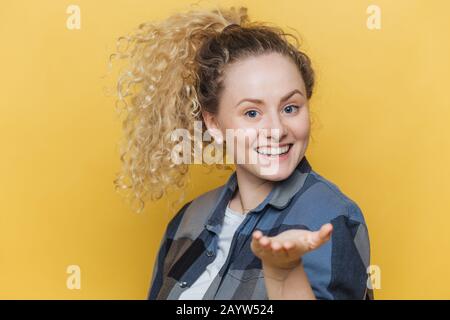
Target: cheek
column 300, row 129
column 303, row 132
column 245, row 138
column 240, row 138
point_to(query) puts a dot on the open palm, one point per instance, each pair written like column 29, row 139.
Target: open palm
column 285, row 249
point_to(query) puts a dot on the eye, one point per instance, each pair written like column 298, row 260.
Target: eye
column 251, row 113
column 291, row 108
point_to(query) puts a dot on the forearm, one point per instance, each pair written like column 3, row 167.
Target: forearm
column 287, row 284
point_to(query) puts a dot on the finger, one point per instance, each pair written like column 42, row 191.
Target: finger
column 276, row 246
column 256, row 245
column 257, row 235
column 263, row 246
column 317, row 238
column 265, row 242
column 288, row 245
column 278, row 250
column 290, row 248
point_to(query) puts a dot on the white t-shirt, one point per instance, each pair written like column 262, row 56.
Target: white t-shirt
column 231, row 222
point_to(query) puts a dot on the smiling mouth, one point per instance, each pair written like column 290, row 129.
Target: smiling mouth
column 274, row 151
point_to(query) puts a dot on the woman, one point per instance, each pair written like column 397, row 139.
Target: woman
column 276, row 229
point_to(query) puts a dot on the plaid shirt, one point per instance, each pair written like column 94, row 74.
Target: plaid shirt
column 305, row 200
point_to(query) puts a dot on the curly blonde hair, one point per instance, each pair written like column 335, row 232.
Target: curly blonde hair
column 174, row 72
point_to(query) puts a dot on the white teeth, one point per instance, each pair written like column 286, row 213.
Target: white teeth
column 273, row 151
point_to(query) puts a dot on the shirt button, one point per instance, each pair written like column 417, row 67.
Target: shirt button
column 183, row 284
column 209, row 253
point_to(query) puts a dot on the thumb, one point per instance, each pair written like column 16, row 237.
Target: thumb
column 325, row 231
column 322, row 235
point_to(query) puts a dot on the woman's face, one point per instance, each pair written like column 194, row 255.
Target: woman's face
column 264, row 103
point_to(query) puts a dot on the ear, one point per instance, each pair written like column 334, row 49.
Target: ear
column 213, row 126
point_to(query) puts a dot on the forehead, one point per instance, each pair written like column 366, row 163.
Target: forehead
column 268, row 76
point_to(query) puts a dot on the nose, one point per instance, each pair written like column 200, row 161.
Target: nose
column 274, row 128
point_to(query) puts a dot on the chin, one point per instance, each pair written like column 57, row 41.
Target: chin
column 273, row 174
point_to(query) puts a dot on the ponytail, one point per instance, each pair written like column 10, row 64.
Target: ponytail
column 157, row 91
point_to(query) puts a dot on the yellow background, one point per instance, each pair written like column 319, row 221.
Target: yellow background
column 381, row 133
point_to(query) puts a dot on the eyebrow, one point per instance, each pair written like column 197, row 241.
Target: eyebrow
column 283, row 99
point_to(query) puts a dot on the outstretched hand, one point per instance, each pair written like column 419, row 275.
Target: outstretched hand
column 285, row 250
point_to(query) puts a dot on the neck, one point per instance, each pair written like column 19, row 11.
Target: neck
column 251, row 190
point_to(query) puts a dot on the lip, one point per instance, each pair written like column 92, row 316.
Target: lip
column 278, row 146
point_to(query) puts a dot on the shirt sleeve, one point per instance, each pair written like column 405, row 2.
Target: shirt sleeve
column 164, row 246
column 338, row 269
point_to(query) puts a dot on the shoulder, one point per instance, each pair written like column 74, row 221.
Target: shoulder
column 189, row 220
column 321, row 201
